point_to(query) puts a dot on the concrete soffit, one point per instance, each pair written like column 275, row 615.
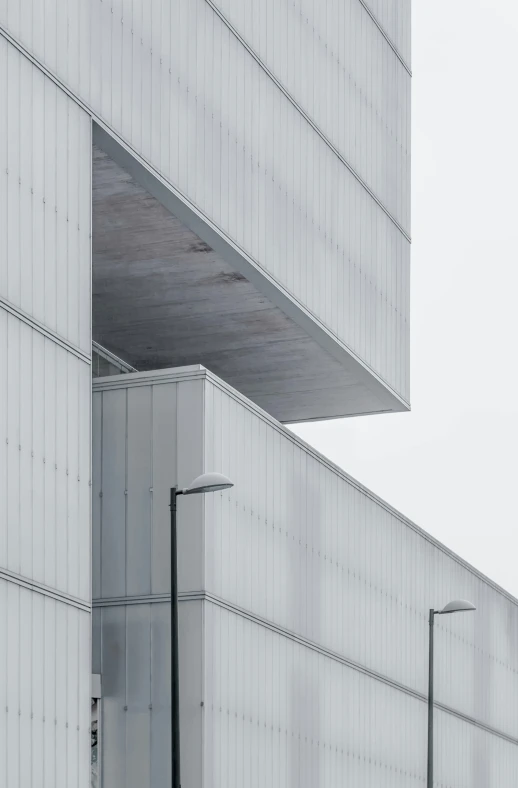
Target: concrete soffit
column 187, row 213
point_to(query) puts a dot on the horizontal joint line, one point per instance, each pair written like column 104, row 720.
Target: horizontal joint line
column 41, row 588
column 43, row 330
column 57, row 81
column 204, row 596
column 186, row 597
column 308, row 119
column 134, row 599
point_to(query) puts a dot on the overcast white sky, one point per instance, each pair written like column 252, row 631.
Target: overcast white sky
column 451, row 464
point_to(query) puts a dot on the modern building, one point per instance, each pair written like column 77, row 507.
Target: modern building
column 194, row 185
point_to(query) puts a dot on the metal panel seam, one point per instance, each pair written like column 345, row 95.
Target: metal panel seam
column 204, row 596
column 40, row 588
column 211, row 598
column 369, row 13
column 113, row 133
column 354, row 482
column 46, row 332
column 308, row 119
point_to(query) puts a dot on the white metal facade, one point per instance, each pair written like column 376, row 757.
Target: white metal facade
column 304, row 608
column 309, row 178
column 45, row 393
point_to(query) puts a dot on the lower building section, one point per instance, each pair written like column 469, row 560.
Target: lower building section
column 261, row 707
column 303, row 611
column 44, row 688
column 281, row 712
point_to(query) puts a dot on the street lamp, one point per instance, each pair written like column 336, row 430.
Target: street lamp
column 457, row 606
column 207, row 482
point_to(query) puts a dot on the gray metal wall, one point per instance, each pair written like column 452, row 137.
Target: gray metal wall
column 310, row 550
column 142, row 445
column 393, row 16
column 305, row 169
column 45, row 392
column 307, row 597
column 340, row 66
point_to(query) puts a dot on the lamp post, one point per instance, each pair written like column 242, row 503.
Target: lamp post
column 207, row 482
column 458, row 606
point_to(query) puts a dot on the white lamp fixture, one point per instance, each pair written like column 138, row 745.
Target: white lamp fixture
column 207, row 482
column 457, row 606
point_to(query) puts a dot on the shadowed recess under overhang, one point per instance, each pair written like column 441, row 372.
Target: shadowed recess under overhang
column 169, row 290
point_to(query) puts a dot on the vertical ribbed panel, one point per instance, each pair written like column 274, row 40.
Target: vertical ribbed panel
column 468, row 756
column 44, row 691
column 334, row 62
column 44, row 460
column 45, row 391
column 178, row 86
column 393, row 16
column 300, row 544
column 146, row 439
column 134, row 656
column 45, row 183
column 280, row 714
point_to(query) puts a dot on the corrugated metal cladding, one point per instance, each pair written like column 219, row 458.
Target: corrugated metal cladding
column 132, row 652
column 44, row 690
column 187, row 94
column 45, row 185
column 44, row 460
column 393, row 16
column 308, row 596
column 335, row 63
column 45, row 392
column 281, row 714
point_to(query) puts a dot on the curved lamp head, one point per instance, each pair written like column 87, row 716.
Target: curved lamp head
column 458, row 606
column 208, row 482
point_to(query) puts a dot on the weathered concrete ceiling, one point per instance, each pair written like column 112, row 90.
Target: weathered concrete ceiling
column 162, row 297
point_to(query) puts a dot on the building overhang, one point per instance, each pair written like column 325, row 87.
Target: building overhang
column 169, row 289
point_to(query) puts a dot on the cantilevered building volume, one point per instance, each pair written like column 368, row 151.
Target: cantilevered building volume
column 205, row 206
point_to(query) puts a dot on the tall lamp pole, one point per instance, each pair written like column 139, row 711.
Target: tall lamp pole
column 207, row 482
column 458, row 606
